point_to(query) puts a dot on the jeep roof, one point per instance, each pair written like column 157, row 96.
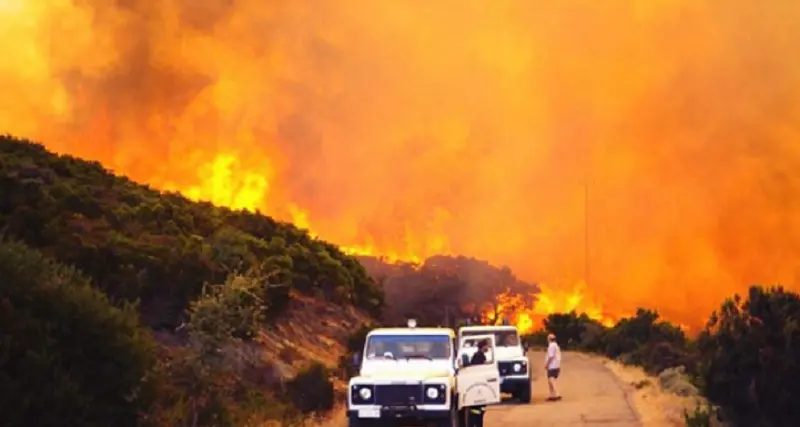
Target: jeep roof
column 488, row 328
column 413, row 331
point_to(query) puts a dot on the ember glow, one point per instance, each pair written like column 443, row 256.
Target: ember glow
column 409, row 129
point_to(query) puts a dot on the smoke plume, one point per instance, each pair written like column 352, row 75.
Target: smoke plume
column 498, row 129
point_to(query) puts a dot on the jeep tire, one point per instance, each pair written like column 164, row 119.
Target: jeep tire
column 356, row 422
column 524, row 394
column 453, row 419
column 462, row 420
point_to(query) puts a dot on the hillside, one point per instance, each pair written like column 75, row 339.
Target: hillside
column 136, row 243
column 223, row 317
column 444, row 289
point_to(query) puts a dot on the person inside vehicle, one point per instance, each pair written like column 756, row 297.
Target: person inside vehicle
column 476, row 413
column 391, row 350
column 511, row 340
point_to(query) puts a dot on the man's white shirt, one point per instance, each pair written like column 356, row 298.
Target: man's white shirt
column 554, row 356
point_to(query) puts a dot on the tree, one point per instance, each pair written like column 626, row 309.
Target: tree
column 67, row 356
column 751, row 355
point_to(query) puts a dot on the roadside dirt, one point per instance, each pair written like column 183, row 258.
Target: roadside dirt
column 656, row 406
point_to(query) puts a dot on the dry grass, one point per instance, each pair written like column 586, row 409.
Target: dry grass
column 310, row 330
column 336, row 420
column 657, row 406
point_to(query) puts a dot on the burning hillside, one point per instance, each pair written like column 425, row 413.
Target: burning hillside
column 651, row 145
column 449, row 288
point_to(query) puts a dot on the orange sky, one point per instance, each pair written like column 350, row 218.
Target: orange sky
column 449, row 126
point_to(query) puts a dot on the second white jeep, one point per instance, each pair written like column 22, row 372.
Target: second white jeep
column 512, row 360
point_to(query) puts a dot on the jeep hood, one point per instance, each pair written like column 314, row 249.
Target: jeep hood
column 406, row 369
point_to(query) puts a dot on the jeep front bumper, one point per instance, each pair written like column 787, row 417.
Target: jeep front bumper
column 515, row 383
column 405, row 413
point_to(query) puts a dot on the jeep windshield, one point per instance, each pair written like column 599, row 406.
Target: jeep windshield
column 502, row 337
column 397, row 347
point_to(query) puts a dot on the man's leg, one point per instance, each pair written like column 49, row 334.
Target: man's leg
column 475, row 419
column 552, row 379
column 479, row 417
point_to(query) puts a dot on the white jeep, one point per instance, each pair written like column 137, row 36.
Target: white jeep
column 412, row 376
column 512, row 360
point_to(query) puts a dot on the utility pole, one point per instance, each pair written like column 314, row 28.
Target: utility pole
column 587, row 164
column 586, row 253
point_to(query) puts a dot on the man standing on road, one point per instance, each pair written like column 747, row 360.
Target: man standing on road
column 476, row 413
column 552, row 365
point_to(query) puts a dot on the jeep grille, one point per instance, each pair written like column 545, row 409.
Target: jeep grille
column 398, row 394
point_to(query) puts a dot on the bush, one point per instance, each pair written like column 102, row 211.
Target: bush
column 138, row 244
column 567, row 327
column 746, row 361
column 701, row 416
column 311, row 391
column 209, row 381
column 751, row 358
column 68, row 356
column 674, row 380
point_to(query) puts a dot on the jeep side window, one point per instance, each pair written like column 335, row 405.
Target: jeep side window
column 502, row 338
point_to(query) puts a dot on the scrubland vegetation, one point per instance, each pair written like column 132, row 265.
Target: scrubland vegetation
column 123, row 306
column 746, row 361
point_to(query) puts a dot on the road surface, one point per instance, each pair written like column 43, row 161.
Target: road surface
column 592, row 396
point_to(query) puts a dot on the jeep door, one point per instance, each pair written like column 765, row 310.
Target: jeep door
column 479, row 385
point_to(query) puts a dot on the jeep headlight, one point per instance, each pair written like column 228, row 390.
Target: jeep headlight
column 517, row 367
column 435, row 393
column 362, row 393
column 432, row 393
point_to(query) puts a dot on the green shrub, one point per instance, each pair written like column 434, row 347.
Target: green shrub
column 138, row 244
column 311, row 391
column 701, row 416
column 67, row 356
column 751, row 358
column 570, row 328
column 208, row 381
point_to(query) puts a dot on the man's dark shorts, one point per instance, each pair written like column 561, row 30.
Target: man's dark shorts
column 553, row 373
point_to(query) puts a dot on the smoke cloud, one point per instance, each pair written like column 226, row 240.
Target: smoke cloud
column 465, row 127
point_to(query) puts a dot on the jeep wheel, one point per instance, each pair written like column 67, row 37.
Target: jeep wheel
column 356, row 422
column 461, row 418
column 452, row 420
column 524, row 394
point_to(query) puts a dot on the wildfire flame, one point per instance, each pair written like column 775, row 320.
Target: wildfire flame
column 528, row 311
column 664, row 130
column 224, row 183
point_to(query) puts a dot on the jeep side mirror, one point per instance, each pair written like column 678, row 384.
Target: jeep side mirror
column 526, row 347
column 356, row 360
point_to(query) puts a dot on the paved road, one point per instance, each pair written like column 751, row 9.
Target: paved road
column 592, row 396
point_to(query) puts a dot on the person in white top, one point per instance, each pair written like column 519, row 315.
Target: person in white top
column 552, row 365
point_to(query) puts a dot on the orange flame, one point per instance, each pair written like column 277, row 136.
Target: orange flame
column 528, row 311
column 224, row 182
column 370, row 122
